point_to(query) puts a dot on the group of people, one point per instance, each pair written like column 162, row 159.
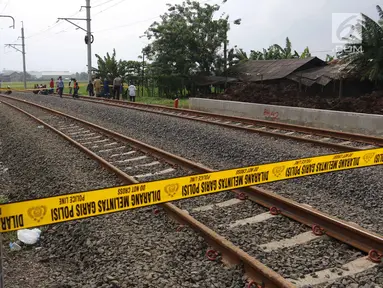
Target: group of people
column 100, row 88
column 96, row 88
column 60, row 87
column 41, row 89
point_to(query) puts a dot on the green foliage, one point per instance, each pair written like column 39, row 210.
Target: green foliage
column 109, row 68
column 275, row 52
column 329, row 58
column 306, row 53
column 366, row 57
column 187, row 42
column 188, row 39
column 236, row 56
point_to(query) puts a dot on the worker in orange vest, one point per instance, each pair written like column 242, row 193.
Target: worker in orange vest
column 76, row 87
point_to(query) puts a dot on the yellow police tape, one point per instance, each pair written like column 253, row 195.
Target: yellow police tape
column 45, row 211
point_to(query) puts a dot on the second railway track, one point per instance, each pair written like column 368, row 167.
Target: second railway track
column 342, row 141
column 234, row 214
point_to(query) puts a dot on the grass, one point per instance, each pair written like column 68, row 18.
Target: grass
column 3, row 199
column 183, row 103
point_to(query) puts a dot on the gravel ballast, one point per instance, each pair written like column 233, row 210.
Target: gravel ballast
column 128, row 249
column 257, row 234
column 352, row 195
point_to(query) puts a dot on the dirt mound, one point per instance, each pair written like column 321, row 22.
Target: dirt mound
column 287, row 95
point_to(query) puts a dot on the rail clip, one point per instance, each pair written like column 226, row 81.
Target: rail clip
column 253, row 284
column 212, row 254
column 317, row 230
column 375, row 256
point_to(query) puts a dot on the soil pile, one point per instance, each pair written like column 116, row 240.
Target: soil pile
column 288, row 95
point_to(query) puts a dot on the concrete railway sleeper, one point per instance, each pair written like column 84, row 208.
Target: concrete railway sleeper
column 112, row 158
column 342, row 141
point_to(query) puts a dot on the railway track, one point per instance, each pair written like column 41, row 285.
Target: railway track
column 135, row 161
column 342, row 141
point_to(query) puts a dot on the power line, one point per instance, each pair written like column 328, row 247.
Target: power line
column 102, row 3
column 137, row 22
column 45, row 30
column 108, row 7
column 50, row 27
column 5, row 7
column 126, row 25
column 94, row 2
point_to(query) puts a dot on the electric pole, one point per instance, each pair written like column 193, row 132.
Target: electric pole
column 22, row 51
column 88, row 38
column 225, row 56
column 89, row 44
column 143, row 71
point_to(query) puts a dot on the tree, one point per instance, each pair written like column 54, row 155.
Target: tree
column 109, row 68
column 133, row 70
column 366, row 55
column 236, row 56
column 285, row 53
column 187, row 39
column 275, row 52
column 83, row 76
column 306, row 53
column 329, row 58
column 187, row 42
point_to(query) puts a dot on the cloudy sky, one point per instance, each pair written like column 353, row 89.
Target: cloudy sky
column 52, row 46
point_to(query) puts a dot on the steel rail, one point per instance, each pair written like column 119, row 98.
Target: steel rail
column 177, row 112
column 231, row 254
column 351, row 234
column 372, row 140
column 227, row 125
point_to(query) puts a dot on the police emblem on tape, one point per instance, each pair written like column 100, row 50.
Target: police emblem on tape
column 37, row 213
column 171, row 189
column 277, row 171
column 368, row 157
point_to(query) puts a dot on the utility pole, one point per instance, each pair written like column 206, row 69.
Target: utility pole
column 22, row 51
column 89, row 44
column 143, row 71
column 88, row 38
column 225, row 56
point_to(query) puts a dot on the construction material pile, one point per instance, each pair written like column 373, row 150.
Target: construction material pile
column 287, row 95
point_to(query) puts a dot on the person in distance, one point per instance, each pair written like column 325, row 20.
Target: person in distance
column 52, row 86
column 116, row 87
column 60, row 86
column 89, row 89
column 97, row 86
column 132, row 92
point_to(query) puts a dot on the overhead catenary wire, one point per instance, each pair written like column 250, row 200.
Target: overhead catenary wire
column 5, row 7
column 115, row 4
column 136, row 22
column 126, row 25
column 106, row 2
column 55, row 24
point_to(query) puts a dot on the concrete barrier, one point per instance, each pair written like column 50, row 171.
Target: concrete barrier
column 343, row 121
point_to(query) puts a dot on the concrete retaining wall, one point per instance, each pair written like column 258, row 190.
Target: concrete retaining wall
column 343, row 121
